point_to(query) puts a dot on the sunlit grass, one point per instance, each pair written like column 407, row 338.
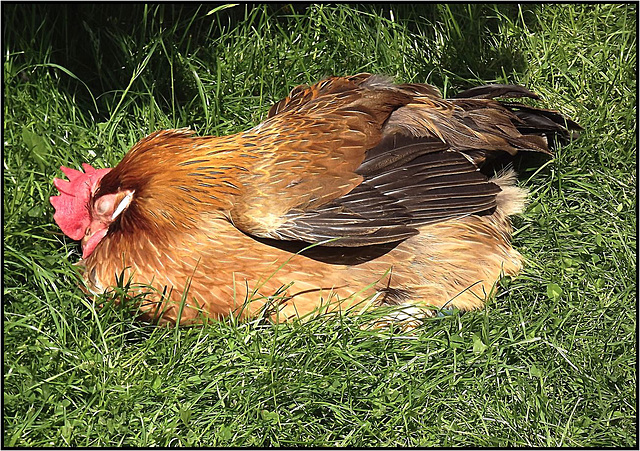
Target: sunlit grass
column 550, row 362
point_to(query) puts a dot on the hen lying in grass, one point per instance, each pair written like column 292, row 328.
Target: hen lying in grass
column 384, row 179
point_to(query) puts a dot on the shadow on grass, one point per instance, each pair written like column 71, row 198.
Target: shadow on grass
column 102, row 43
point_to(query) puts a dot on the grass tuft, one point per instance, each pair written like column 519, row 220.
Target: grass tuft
column 550, row 362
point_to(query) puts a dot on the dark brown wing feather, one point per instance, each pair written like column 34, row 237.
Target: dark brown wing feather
column 417, row 161
column 415, row 183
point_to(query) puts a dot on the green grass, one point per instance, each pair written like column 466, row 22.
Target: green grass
column 550, row 362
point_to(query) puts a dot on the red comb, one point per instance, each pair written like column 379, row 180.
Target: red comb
column 72, row 213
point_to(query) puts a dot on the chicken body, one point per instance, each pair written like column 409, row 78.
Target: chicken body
column 384, row 179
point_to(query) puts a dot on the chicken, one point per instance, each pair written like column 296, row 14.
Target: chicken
column 354, row 190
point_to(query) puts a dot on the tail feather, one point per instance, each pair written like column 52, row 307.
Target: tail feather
column 531, row 120
column 540, row 121
column 495, row 90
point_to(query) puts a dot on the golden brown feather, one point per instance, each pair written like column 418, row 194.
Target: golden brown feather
column 384, row 177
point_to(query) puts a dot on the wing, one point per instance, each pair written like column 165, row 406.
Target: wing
column 308, row 150
column 407, row 182
column 361, row 161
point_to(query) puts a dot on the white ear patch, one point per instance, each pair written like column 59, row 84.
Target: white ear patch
column 122, row 206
